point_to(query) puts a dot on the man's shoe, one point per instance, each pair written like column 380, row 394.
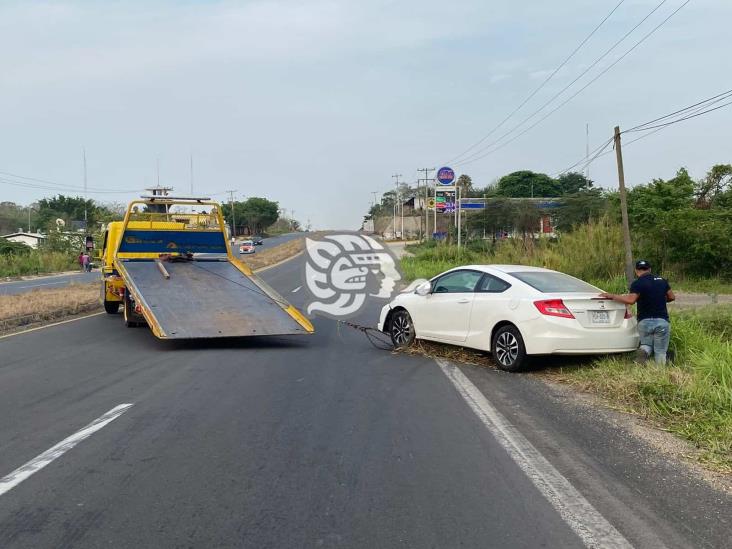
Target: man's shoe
column 641, row 356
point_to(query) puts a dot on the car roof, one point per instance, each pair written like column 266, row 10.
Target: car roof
column 508, row 269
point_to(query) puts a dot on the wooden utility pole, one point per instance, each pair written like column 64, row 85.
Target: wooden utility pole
column 629, row 270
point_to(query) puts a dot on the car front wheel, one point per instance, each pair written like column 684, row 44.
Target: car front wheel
column 401, row 329
column 508, row 349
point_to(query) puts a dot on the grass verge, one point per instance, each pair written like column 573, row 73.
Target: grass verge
column 691, row 398
column 36, row 262
column 47, row 305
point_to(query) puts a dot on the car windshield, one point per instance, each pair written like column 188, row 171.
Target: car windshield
column 549, row 282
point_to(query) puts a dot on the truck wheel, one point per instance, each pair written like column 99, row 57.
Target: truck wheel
column 129, row 313
column 112, row 307
column 508, row 349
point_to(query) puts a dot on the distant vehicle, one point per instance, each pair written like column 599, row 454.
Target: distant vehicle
column 257, row 240
column 512, row 311
column 247, row 247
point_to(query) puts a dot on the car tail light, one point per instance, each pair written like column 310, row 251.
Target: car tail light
column 553, row 307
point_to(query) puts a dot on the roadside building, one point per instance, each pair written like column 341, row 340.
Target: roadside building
column 29, row 239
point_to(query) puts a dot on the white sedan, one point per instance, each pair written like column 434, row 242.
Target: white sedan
column 512, row 311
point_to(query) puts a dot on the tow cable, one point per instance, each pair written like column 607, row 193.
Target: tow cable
column 375, row 337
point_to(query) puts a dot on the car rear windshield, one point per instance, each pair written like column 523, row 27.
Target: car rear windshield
column 551, row 283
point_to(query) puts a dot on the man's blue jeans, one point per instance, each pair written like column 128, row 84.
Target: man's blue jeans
column 654, row 337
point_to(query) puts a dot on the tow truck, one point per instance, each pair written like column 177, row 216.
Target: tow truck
column 170, row 266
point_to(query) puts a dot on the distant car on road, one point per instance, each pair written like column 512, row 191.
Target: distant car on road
column 513, row 311
column 257, row 240
column 247, row 247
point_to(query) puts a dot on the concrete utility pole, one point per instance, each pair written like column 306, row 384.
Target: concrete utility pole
column 629, row 271
column 396, row 177
column 83, row 150
column 374, row 193
column 233, row 215
column 426, row 179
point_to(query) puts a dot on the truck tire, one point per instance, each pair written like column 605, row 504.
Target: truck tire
column 129, row 313
column 111, row 307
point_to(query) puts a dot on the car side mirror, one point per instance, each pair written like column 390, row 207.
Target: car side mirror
column 424, row 289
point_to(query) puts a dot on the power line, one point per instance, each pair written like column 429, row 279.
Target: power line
column 692, row 111
column 541, row 86
column 681, row 119
column 63, row 186
column 716, row 98
column 555, row 96
column 598, row 76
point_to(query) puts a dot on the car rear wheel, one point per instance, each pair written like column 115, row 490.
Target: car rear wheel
column 128, row 311
column 401, row 329
column 508, row 349
column 111, row 307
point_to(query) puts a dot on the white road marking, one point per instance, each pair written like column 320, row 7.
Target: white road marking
column 10, row 481
column 51, row 325
column 591, row 527
column 296, row 289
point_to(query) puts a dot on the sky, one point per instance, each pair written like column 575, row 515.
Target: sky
column 317, row 104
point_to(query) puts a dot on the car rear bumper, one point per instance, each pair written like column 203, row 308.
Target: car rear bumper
column 565, row 336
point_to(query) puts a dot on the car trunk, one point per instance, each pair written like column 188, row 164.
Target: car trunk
column 590, row 311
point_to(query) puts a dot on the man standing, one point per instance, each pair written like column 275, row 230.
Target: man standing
column 651, row 293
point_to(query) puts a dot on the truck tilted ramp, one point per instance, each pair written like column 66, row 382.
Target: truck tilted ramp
column 208, row 298
column 170, row 265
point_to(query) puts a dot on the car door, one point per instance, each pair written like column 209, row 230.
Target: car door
column 491, row 304
column 445, row 312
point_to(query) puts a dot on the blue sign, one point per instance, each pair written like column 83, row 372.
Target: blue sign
column 472, row 205
column 445, row 176
column 145, row 241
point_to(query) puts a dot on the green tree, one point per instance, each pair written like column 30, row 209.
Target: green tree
column 67, row 208
column 573, row 183
column 715, row 185
column 525, row 184
column 646, row 202
column 465, row 183
column 580, row 207
column 252, row 215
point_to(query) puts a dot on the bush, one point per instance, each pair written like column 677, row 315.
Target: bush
column 8, row 247
column 36, row 262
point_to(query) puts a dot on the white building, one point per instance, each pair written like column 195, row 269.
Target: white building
column 29, row 239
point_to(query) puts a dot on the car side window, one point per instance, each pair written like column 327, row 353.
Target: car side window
column 457, row 282
column 491, row 284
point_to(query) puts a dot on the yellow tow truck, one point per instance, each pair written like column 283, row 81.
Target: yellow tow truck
column 169, row 265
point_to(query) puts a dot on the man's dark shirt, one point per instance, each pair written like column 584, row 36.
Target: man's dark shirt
column 651, row 290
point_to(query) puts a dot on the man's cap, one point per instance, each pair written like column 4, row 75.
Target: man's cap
column 642, row 265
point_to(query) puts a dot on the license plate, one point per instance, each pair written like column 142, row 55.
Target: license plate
column 600, row 317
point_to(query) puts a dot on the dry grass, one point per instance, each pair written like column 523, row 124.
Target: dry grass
column 265, row 258
column 47, row 305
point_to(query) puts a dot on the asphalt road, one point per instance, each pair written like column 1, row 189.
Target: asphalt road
column 60, row 280
column 310, row 441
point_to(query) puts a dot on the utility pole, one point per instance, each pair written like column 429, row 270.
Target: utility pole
column 374, row 193
column 157, row 169
column 587, row 151
column 396, row 177
column 86, row 228
column 233, row 215
column 629, row 272
column 426, row 180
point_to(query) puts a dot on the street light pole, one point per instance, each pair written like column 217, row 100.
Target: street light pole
column 396, row 177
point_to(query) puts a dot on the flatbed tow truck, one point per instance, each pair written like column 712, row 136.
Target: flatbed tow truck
column 169, row 264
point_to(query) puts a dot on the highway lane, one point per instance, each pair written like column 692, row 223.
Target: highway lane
column 60, row 280
column 319, row 441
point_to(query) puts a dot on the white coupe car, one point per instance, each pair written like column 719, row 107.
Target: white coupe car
column 512, row 311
